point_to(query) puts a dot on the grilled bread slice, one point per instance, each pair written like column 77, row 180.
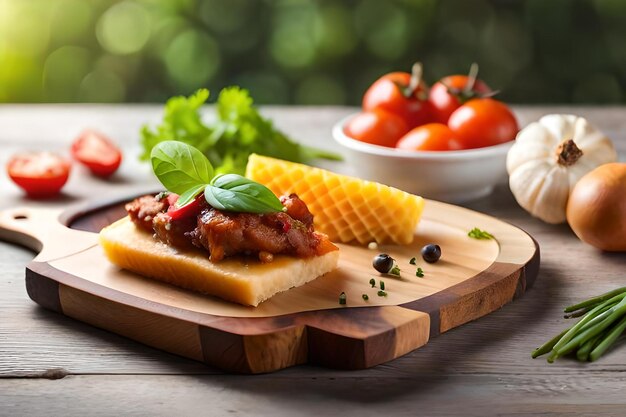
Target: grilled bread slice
column 242, row 280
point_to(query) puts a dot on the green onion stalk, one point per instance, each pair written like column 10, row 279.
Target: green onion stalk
column 602, row 321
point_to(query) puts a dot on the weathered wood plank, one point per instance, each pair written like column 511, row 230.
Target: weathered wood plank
column 481, row 368
column 424, row 394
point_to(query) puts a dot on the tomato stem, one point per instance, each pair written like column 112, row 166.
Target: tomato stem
column 472, row 76
column 467, row 93
column 417, row 72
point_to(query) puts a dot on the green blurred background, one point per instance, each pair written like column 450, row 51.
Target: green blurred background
column 305, row 51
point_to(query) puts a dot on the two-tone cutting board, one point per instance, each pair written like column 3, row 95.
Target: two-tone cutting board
column 306, row 324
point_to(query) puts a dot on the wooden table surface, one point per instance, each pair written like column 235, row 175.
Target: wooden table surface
column 53, row 365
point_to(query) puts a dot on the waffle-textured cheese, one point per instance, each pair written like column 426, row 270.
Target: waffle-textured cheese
column 345, row 208
column 242, row 280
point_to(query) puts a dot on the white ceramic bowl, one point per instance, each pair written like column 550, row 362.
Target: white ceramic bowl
column 452, row 176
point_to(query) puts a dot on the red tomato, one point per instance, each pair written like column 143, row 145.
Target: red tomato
column 40, row 174
column 172, row 198
column 97, row 152
column 429, row 137
column 377, row 127
column 395, row 93
column 483, row 122
column 449, row 93
column 191, row 208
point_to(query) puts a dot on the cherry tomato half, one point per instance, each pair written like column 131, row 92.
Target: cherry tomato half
column 483, row 122
column 189, row 209
column 449, row 93
column 402, row 94
column 97, row 152
column 39, row 174
column 377, row 127
column 429, row 137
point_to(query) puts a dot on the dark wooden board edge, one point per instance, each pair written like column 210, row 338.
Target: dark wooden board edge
column 471, row 294
column 227, row 342
column 232, row 344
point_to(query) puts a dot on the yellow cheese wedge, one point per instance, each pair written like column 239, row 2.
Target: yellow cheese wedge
column 345, row 208
column 242, row 280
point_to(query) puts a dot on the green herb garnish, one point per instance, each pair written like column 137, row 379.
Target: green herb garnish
column 365, row 297
column 476, row 233
column 419, row 273
column 232, row 192
column 184, row 170
column 382, row 285
column 413, row 261
column 239, row 130
column 342, row 298
column 395, row 270
column 382, row 293
column 373, row 282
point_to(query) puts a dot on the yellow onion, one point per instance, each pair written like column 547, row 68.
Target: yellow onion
column 596, row 209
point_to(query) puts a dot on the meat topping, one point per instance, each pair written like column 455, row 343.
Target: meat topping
column 144, row 209
column 224, row 234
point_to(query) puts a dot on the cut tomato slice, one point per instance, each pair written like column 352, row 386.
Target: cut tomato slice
column 190, row 209
column 39, row 174
column 97, row 152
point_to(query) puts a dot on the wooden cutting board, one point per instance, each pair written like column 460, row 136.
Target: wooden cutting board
column 306, row 324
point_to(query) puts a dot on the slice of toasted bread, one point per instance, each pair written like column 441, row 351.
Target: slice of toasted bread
column 239, row 279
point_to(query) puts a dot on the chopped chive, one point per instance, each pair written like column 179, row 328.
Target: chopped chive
column 342, row 298
column 382, row 293
column 476, row 233
column 373, row 282
column 395, row 270
column 412, row 261
column 419, row 273
column 382, row 285
column 365, row 297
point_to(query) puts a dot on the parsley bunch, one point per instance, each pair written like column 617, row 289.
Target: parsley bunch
column 238, row 131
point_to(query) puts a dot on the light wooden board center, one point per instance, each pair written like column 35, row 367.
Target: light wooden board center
column 462, row 259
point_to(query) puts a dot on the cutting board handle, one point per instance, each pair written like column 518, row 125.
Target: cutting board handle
column 39, row 229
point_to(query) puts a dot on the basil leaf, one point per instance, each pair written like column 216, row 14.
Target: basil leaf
column 232, row 192
column 188, row 196
column 180, row 167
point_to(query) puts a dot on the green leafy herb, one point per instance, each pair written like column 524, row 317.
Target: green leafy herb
column 395, row 270
column 365, row 297
column 373, row 282
column 382, row 293
column 232, row 192
column 342, row 298
column 412, row 261
column 382, row 285
column 189, row 195
column 183, row 170
column 476, row 233
column 180, row 167
column 239, row 131
column 419, row 273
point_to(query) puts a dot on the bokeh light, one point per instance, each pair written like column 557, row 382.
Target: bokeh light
column 192, row 59
column 307, row 51
column 63, row 71
column 320, row 89
column 124, row 28
column 292, row 43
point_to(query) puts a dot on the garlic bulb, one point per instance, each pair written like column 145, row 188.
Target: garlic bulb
column 549, row 157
